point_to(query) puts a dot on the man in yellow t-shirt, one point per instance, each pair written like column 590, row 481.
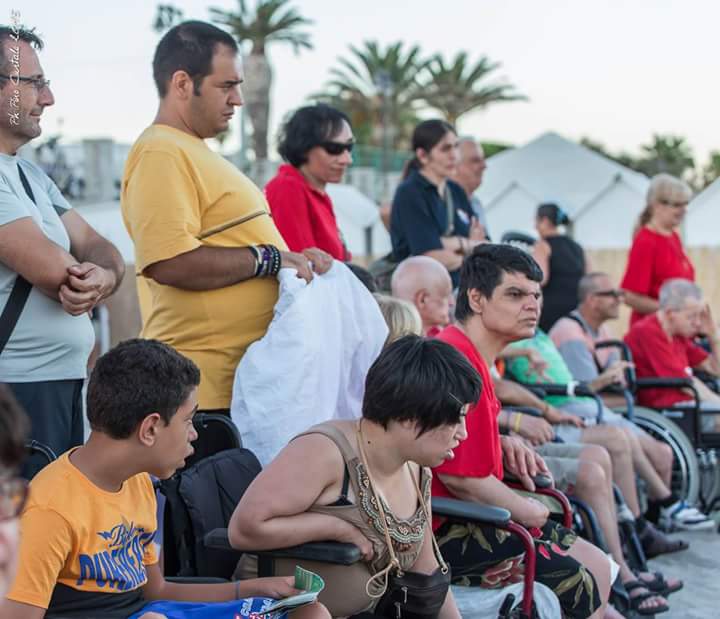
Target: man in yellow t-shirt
column 204, row 239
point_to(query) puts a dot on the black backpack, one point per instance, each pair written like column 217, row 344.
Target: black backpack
column 198, row 500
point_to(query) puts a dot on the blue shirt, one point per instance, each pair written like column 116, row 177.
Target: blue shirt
column 419, row 217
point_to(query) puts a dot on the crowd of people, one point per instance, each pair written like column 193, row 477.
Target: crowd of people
column 469, row 327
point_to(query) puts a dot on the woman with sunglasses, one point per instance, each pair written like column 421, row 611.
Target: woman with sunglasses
column 13, row 489
column 316, row 142
column 562, row 261
column 657, row 253
column 431, row 214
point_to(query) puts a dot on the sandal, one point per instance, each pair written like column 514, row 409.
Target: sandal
column 655, row 542
column 636, row 601
column 661, row 585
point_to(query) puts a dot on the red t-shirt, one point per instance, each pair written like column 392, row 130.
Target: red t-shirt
column 654, row 258
column 655, row 354
column 303, row 215
column 479, row 455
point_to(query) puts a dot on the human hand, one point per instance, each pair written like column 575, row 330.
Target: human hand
column 534, row 429
column 556, row 417
column 277, row 587
column 293, row 260
column 707, row 324
column 350, row 534
column 320, row 260
column 537, row 513
column 477, row 230
column 614, row 374
column 537, row 363
column 87, row 284
column 521, row 461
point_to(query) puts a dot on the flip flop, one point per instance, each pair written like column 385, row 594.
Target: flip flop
column 656, row 543
column 637, row 600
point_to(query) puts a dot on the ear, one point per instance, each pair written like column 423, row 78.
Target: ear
column 421, row 155
column 419, row 298
column 477, row 301
column 182, row 85
column 147, row 433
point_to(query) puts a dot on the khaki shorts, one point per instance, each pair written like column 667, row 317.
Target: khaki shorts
column 563, row 461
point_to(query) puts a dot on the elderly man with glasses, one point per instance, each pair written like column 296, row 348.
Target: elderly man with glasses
column 54, row 268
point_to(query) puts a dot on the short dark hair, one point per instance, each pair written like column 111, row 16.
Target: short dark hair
column 363, row 275
column 422, row 380
column 483, row 270
column 14, row 426
column 551, row 211
column 188, row 47
column 8, row 33
column 136, row 378
column 307, row 128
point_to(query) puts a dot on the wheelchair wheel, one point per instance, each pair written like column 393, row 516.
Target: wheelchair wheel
column 686, row 470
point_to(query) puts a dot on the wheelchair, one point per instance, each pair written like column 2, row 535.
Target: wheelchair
column 205, row 550
column 696, row 471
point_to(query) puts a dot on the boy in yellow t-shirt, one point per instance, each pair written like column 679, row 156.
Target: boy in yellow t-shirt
column 87, row 532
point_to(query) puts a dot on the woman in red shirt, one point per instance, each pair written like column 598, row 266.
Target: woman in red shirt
column 316, row 143
column 657, row 253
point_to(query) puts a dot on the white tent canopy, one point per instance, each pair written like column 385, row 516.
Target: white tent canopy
column 702, row 223
column 358, row 218
column 601, row 197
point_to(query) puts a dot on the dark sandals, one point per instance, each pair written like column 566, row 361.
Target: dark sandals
column 655, row 542
column 636, row 601
column 660, row 585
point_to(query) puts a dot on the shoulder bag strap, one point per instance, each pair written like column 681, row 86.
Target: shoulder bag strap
column 20, row 290
column 450, row 208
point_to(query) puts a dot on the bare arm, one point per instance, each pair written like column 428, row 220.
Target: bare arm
column 273, row 512
column 492, row 491
column 641, row 303
column 26, row 250
column 541, row 252
column 16, row 610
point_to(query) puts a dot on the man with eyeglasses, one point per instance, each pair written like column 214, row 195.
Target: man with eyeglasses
column 54, row 268
column 207, row 251
column 13, row 489
column 316, row 143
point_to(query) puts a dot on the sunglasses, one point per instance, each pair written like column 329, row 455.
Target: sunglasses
column 615, row 294
column 681, row 204
column 337, row 148
column 13, row 496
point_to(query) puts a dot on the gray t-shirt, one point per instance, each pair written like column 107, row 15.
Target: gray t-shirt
column 47, row 342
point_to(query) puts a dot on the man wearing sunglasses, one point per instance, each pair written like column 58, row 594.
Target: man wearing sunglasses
column 316, row 143
column 54, row 268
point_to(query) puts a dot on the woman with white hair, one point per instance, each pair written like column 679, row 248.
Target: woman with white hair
column 657, row 253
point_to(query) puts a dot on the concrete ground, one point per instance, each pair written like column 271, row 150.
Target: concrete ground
column 699, row 568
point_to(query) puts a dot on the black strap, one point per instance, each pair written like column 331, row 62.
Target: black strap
column 20, row 290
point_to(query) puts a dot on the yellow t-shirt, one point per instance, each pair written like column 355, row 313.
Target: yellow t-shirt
column 80, row 537
column 177, row 195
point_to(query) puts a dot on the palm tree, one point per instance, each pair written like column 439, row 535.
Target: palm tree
column 271, row 21
column 458, row 87
column 666, row 153
column 379, row 90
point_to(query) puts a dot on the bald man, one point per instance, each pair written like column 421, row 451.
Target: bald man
column 425, row 282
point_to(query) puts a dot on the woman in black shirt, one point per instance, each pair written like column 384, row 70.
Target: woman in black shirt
column 563, row 264
column 431, row 215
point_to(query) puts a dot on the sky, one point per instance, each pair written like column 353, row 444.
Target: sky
column 616, row 71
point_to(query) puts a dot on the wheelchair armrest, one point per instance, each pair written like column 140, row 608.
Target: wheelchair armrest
column 525, row 410
column 625, row 353
column 669, row 382
column 466, row 510
column 327, row 552
column 580, row 389
column 540, row 481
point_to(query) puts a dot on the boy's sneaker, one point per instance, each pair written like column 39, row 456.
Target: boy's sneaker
column 683, row 517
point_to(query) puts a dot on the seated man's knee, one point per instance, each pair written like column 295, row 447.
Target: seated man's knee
column 617, row 442
column 591, row 479
column 599, row 455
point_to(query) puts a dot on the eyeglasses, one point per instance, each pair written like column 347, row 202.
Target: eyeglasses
column 681, row 204
column 337, row 148
column 13, row 495
column 615, row 294
column 37, row 82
